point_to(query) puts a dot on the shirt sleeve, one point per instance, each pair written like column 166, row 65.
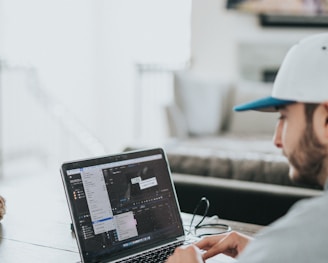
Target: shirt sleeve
column 296, row 237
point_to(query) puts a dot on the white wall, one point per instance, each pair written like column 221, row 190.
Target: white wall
column 217, row 32
column 58, row 39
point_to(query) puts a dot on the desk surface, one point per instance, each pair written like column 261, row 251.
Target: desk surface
column 36, row 227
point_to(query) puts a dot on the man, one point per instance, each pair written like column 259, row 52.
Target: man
column 300, row 94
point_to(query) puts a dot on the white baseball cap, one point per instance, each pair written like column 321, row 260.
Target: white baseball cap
column 302, row 77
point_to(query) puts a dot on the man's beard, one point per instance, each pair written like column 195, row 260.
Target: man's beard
column 307, row 158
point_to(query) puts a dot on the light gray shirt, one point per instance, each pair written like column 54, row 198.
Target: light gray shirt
column 300, row 236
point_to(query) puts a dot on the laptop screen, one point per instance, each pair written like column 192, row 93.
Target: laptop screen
column 122, row 203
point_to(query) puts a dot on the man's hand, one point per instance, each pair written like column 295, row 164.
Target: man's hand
column 231, row 244
column 183, row 254
column 2, row 207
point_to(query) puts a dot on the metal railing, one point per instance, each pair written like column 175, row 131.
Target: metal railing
column 59, row 113
column 154, row 90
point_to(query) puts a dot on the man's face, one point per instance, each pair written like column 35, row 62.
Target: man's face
column 300, row 144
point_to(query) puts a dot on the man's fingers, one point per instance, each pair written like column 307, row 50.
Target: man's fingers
column 223, row 246
column 230, row 244
column 208, row 242
column 190, row 254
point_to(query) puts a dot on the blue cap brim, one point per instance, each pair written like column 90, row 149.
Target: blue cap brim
column 268, row 104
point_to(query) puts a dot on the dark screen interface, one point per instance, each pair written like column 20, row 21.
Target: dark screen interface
column 123, row 204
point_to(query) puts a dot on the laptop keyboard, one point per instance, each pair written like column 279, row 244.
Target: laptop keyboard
column 158, row 255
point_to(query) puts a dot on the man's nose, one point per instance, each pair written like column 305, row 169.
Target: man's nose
column 277, row 135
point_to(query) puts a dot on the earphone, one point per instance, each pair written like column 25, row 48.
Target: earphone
column 225, row 228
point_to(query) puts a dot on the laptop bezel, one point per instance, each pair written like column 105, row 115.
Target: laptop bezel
column 103, row 160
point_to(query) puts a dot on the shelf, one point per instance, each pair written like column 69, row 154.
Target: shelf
column 274, row 20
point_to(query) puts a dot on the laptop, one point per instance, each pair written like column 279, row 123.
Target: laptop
column 123, row 205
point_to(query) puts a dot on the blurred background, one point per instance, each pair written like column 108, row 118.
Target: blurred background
column 84, row 78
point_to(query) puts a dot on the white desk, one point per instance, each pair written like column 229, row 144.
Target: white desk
column 36, row 227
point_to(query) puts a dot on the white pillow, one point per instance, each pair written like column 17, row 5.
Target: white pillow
column 252, row 122
column 201, row 102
